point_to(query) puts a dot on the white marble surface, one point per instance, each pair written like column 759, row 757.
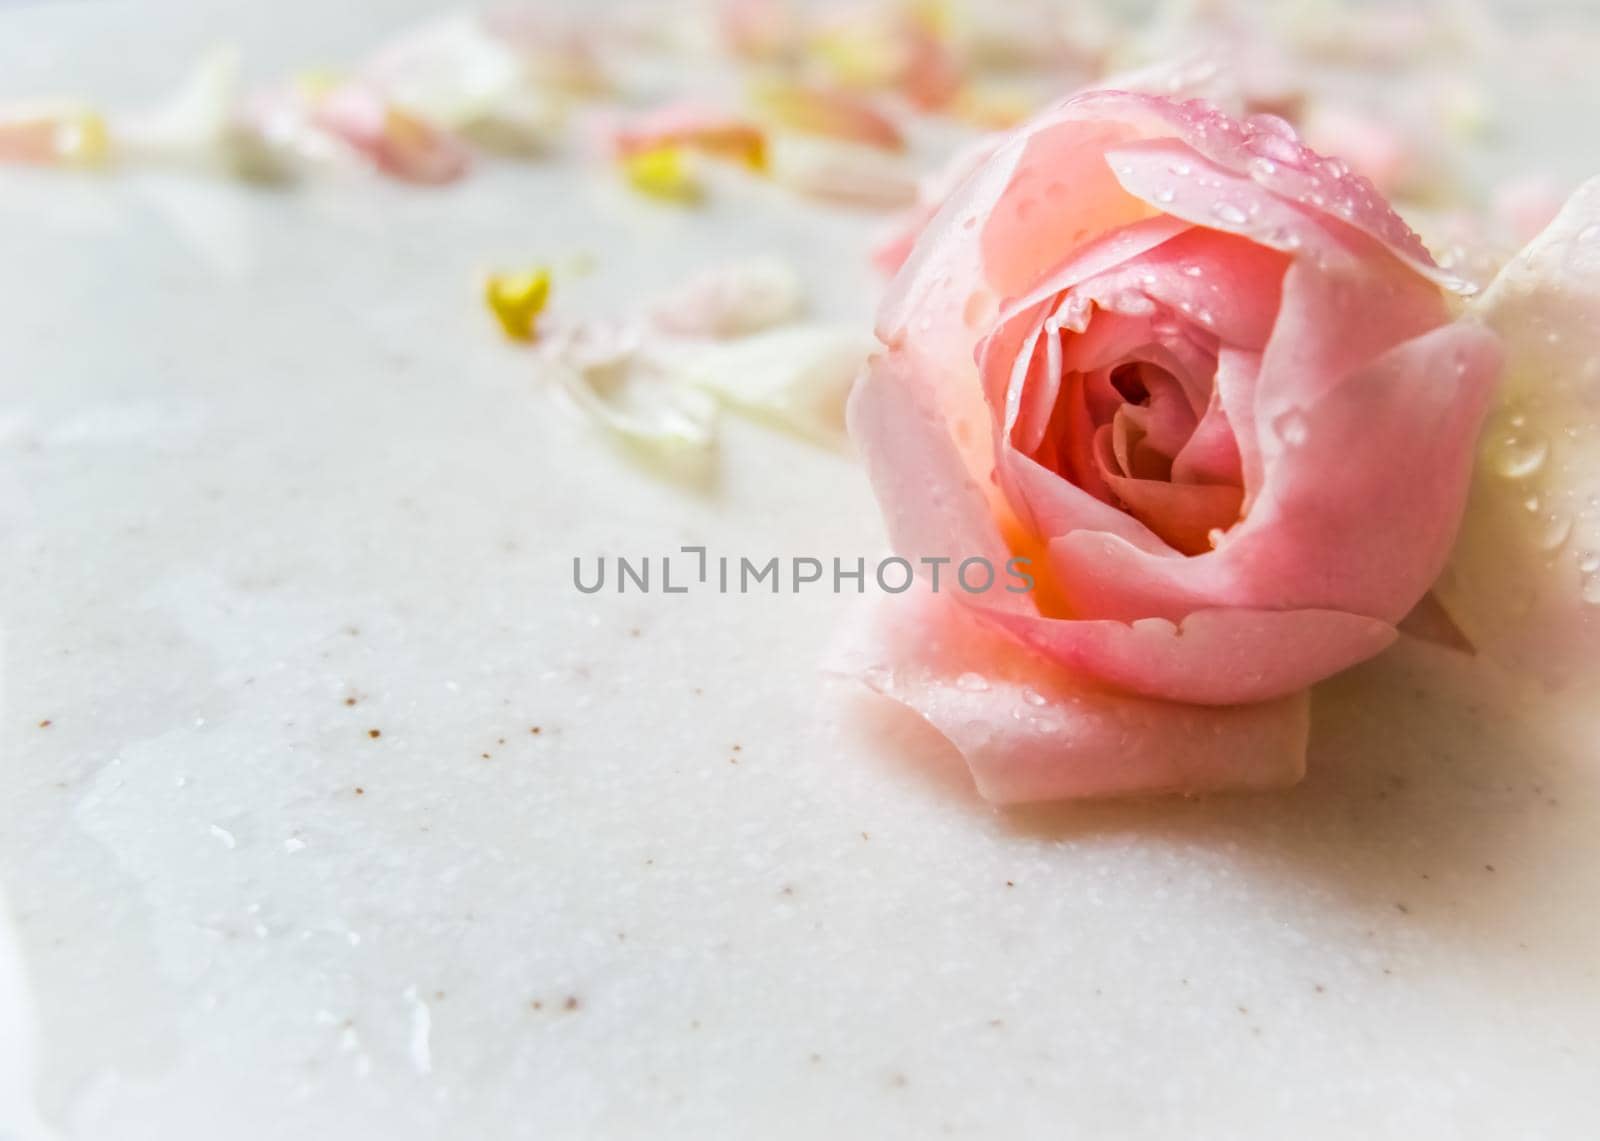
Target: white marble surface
column 262, row 454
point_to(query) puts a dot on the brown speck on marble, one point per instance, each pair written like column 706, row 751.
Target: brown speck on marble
column 536, row 730
column 633, row 633
column 535, row 1004
column 816, row 1059
column 360, row 791
column 349, row 701
column 1011, row 883
column 1320, row 989
column 898, row 1081
column 1402, row 908
column 45, row 724
column 374, row 733
column 486, row 756
column 572, row 1003
column 1488, row 867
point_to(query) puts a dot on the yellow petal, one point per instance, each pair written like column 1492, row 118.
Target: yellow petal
column 517, row 299
column 662, row 172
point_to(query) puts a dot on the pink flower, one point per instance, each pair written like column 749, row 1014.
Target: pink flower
column 1208, row 384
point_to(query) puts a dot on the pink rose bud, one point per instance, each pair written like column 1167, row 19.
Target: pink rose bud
column 1207, row 382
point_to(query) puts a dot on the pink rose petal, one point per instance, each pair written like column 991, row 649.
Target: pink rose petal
column 1031, row 731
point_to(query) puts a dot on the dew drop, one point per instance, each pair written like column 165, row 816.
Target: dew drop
column 972, row 683
column 1230, row 213
column 1517, row 454
column 980, row 309
column 880, row 678
column 1033, row 697
column 1590, row 591
column 1589, row 562
column 1291, row 427
column 1553, row 531
column 1166, row 195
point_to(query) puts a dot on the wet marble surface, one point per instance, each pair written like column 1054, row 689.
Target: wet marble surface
column 332, row 811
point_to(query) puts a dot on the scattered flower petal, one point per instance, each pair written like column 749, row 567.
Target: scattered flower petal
column 842, row 172
column 394, row 140
column 836, row 114
column 796, row 378
column 691, row 126
column 664, row 173
column 54, row 135
column 517, row 299
column 602, row 370
column 732, row 300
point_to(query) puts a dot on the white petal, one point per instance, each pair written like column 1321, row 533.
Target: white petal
column 732, row 300
column 795, row 378
column 841, row 172
column 603, row 372
column 1524, row 581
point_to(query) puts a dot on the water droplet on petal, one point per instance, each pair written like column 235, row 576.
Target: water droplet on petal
column 880, row 678
column 1589, row 562
column 1552, row 531
column 1033, row 697
column 1231, row 213
column 1590, row 591
column 1517, row 454
column 972, row 683
column 980, row 309
column 1291, row 427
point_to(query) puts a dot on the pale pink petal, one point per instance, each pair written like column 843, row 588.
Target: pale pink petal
column 1182, row 514
column 1524, row 580
column 1032, row 731
column 1374, row 148
column 693, row 125
column 395, row 141
column 1061, row 198
column 1226, row 284
column 1265, row 149
column 1212, row 657
column 826, row 111
column 1212, row 452
column 932, row 505
column 1362, row 499
column 1055, row 506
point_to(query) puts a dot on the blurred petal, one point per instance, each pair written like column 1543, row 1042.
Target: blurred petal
column 796, row 378
column 1524, row 580
column 732, row 300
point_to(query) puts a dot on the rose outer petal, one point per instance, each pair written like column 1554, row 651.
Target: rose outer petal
column 932, row 505
column 1032, row 731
